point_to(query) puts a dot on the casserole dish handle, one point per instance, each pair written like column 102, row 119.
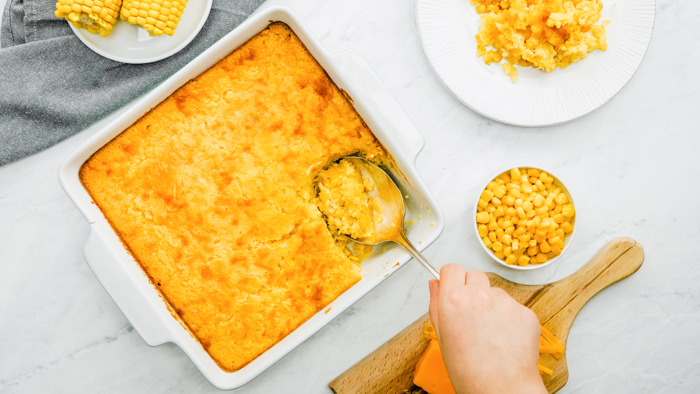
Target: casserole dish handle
column 382, row 104
column 125, row 293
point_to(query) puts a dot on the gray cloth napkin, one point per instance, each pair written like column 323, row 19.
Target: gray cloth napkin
column 52, row 86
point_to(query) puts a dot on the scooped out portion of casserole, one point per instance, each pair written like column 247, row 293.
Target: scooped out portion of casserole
column 213, row 194
column 344, row 199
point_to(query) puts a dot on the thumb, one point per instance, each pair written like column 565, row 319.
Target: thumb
column 433, row 307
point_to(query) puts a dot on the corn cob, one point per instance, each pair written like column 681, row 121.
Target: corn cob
column 155, row 16
column 97, row 16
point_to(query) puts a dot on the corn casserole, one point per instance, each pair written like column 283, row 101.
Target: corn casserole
column 344, row 200
column 213, row 194
column 544, row 34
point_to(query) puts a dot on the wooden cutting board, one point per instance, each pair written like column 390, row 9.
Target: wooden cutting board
column 389, row 369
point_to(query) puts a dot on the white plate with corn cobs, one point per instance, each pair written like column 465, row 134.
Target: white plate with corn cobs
column 136, row 32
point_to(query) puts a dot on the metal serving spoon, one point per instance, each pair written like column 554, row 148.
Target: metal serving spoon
column 390, row 200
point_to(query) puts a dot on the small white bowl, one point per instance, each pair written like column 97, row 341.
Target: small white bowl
column 567, row 240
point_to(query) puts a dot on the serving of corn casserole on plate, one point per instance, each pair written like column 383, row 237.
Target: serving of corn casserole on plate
column 602, row 52
column 132, row 31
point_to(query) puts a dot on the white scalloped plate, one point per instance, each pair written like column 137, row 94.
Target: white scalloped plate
column 131, row 44
column 447, row 29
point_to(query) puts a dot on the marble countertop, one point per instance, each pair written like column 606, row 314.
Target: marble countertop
column 632, row 166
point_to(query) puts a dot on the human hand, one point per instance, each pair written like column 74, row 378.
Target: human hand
column 489, row 342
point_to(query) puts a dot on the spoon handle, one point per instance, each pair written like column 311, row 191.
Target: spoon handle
column 408, row 246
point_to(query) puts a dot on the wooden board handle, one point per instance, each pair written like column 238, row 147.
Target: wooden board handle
column 558, row 303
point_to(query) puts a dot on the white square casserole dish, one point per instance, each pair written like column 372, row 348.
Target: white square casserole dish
column 127, row 283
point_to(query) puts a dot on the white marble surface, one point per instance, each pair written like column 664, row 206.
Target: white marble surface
column 632, row 166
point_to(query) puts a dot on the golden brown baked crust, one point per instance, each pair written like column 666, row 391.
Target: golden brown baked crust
column 212, row 192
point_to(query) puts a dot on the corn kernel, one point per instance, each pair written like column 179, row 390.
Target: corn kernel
column 482, row 217
column 483, row 230
column 487, row 242
column 532, row 243
column 483, row 204
column 532, row 250
column 568, row 210
column 509, row 200
column 511, row 259
column 486, row 195
column 515, row 173
column 499, row 232
column 514, row 193
column 507, row 251
column 545, row 248
column 533, row 172
column 505, row 178
column 567, row 227
column 499, row 255
column 496, row 201
column 510, row 230
column 498, row 191
column 493, row 226
column 518, row 202
column 538, row 201
column 507, row 239
column 491, row 186
column 497, row 246
column 523, row 261
column 500, row 211
column 492, row 236
column 556, row 250
column 542, row 258
column 561, row 199
column 490, row 208
column 554, row 241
